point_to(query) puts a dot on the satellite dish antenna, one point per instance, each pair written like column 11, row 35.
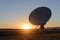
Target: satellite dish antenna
column 40, row 16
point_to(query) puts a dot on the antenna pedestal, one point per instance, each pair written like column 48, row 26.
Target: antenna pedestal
column 42, row 27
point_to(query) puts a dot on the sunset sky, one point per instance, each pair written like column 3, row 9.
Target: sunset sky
column 15, row 13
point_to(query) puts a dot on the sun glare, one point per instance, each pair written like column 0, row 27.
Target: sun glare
column 26, row 27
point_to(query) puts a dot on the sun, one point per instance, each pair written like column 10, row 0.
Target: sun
column 26, row 26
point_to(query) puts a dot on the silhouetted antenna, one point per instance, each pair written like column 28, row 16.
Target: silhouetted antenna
column 40, row 16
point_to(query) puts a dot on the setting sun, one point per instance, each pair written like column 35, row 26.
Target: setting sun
column 26, row 27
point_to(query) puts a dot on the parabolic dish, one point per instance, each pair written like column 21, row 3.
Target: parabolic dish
column 40, row 16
